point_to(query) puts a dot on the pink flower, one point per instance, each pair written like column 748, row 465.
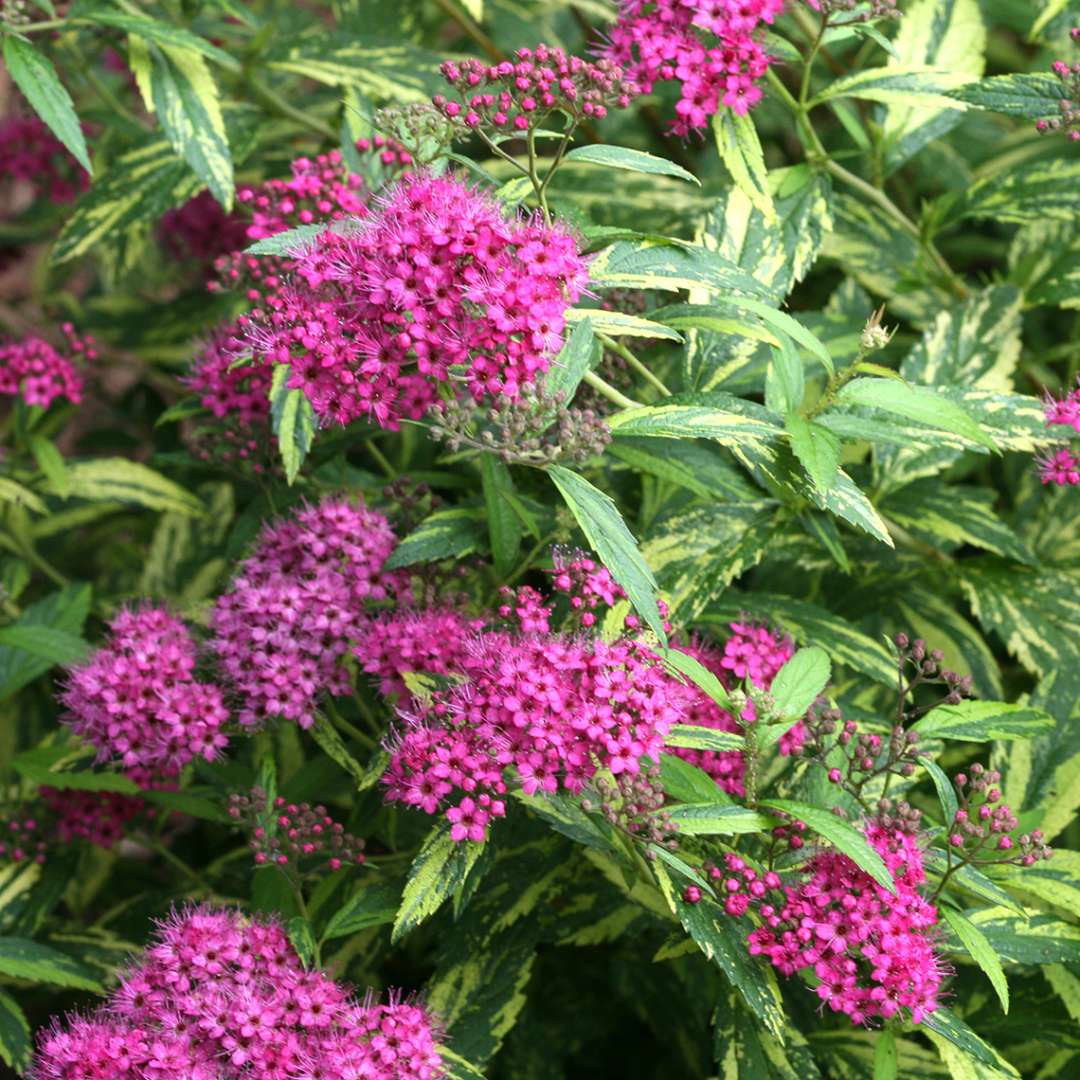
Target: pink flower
column 31, row 153
column 38, row 373
column 712, row 47
column 137, row 700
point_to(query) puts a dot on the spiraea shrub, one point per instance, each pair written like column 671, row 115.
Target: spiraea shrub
column 538, row 539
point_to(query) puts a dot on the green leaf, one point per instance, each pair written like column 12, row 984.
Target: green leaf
column 667, row 267
column 56, row 646
column 945, row 1023
column 718, row 819
column 786, row 324
column 184, row 802
column 438, row 871
column 605, row 530
column 698, row 468
column 186, row 102
column 785, row 380
column 288, row 242
column 574, row 360
column 326, row 735
column 1036, row 937
column 65, row 610
column 799, row 682
column 51, row 462
column 621, row 324
column 375, row 903
column 946, row 791
column 301, row 938
column 947, row 516
column 696, row 555
column 24, row 959
column 135, row 189
column 885, row 1063
column 685, row 782
column 913, row 85
column 39, row 773
column 722, row 940
column 15, row 1044
column 715, row 415
column 13, row 492
column 699, row 675
column 980, row 950
column 1034, row 97
column 916, row 403
column 948, row 35
column 33, row 73
column 294, row 422
column 844, row 837
column 120, row 480
column 704, row 738
column 443, row 535
column 1044, row 261
column 1046, row 190
column 161, row 33
column 740, row 150
column 504, row 527
column 984, row 721
column 817, row 449
column 620, row 157
column 976, row 343
column 745, row 1051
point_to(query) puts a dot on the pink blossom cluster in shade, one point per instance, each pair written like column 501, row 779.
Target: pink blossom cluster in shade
column 22, row 838
column 713, row 48
column 872, row 952
column 31, row 153
column 1068, row 120
column 201, row 230
column 1062, row 466
column 137, row 699
column 284, row 628
column 39, row 373
column 432, row 278
column 753, row 653
column 517, row 94
column 552, row 708
column 219, row 996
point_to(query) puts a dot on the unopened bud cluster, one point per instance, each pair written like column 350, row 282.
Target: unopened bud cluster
column 874, row 335
column 633, row 803
column 294, row 834
column 921, row 666
column 877, row 9
column 984, row 824
column 517, row 94
column 418, row 133
column 536, row 428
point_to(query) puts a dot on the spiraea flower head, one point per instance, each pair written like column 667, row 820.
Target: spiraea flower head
column 219, row 996
column 35, row 371
column 284, row 628
column 434, row 278
column 138, row 701
column 30, row 153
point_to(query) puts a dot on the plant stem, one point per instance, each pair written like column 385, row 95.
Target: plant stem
column 380, row 458
column 471, row 27
column 609, row 391
column 275, row 103
column 619, row 348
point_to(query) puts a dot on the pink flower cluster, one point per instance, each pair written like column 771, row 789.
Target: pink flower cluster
column 432, row 278
column 1069, row 104
column 284, row 627
column 201, row 230
column 219, row 996
column 21, row 839
column 521, row 92
column 239, row 396
column 872, row 952
column 554, row 709
column 31, row 153
column 753, row 653
column 98, row 817
column 38, row 373
column 1062, row 466
column 137, row 699
column 712, row 47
